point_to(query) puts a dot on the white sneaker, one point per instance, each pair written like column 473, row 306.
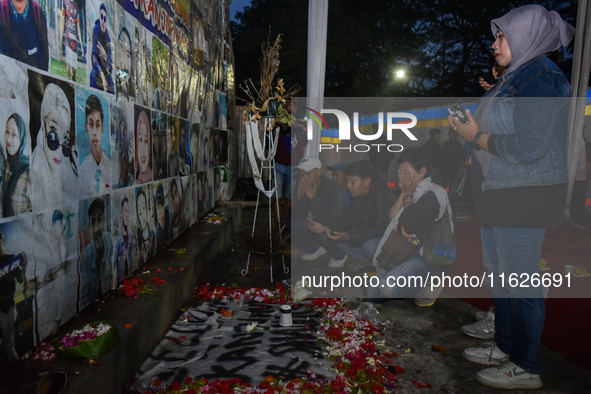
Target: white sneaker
column 487, row 354
column 334, row 263
column 509, row 376
column 313, row 256
column 482, row 329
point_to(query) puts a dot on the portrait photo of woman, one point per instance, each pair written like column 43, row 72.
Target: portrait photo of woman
column 143, row 146
column 54, row 160
column 17, row 182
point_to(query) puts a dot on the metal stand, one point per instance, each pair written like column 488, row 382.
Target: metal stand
column 272, row 183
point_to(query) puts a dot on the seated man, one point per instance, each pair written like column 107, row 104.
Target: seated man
column 365, row 220
column 338, row 175
column 318, row 203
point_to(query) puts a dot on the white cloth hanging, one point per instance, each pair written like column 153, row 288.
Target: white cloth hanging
column 255, row 151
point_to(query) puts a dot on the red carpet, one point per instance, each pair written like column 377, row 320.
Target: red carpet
column 568, row 320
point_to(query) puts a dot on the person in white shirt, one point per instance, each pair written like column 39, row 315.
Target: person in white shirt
column 95, row 170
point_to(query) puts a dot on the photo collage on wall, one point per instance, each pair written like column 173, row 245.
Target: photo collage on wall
column 111, row 141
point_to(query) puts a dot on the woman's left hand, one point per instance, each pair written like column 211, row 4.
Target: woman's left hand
column 466, row 130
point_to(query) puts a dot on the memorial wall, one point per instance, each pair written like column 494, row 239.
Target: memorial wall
column 115, row 117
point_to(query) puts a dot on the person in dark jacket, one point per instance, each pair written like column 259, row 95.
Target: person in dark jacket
column 319, row 203
column 23, row 29
column 102, row 63
column 365, row 220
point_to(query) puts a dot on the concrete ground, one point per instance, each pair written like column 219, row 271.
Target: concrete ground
column 412, row 327
column 218, row 254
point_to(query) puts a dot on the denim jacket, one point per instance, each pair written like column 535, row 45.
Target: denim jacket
column 529, row 120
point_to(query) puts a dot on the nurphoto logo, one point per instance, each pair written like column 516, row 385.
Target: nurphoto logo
column 395, row 121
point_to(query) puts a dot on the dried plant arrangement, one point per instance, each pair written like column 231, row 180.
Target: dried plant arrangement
column 268, row 99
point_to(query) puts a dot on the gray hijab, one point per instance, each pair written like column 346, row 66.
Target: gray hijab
column 530, row 31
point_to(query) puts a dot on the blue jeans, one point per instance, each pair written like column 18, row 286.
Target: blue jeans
column 365, row 252
column 409, row 287
column 283, row 181
column 519, row 312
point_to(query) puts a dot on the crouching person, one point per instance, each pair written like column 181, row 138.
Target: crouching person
column 318, row 204
column 418, row 242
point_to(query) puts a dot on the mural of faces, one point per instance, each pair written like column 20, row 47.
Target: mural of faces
column 105, row 144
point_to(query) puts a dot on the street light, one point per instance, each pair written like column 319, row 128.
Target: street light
column 400, row 73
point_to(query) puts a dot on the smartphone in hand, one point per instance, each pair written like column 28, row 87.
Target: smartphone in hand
column 489, row 78
column 458, row 112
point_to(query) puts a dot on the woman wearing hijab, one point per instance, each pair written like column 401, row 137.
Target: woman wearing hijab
column 16, row 196
column 53, row 163
column 519, row 183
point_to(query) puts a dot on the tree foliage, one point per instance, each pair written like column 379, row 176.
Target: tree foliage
column 443, row 45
